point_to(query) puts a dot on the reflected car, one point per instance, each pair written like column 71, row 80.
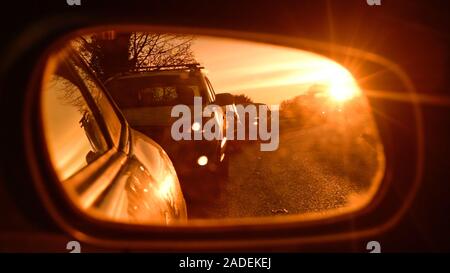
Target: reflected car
column 146, row 99
column 253, row 121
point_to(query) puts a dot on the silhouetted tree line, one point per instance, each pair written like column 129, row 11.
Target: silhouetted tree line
column 242, row 99
column 305, row 106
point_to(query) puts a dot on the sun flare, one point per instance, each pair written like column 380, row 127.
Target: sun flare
column 342, row 86
column 342, row 91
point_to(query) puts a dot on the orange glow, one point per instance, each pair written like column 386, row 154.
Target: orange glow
column 340, row 93
column 326, row 117
column 270, row 74
column 342, row 86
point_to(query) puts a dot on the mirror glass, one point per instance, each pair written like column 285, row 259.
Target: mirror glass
column 163, row 128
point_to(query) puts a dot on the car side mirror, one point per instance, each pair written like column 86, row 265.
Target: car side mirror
column 223, row 99
column 114, row 188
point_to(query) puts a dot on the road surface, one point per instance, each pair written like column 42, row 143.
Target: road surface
column 315, row 169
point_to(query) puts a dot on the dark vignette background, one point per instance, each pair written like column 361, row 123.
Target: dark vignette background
column 417, row 35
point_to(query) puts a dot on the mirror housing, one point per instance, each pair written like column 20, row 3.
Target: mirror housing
column 223, row 99
column 116, row 235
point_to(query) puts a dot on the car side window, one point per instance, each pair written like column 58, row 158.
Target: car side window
column 72, row 133
column 105, row 108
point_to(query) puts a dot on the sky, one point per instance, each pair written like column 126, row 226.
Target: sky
column 266, row 73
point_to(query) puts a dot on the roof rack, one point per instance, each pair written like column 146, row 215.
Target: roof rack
column 190, row 66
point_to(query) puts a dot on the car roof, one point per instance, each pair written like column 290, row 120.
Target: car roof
column 191, row 71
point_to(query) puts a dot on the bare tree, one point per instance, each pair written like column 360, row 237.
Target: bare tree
column 111, row 53
column 160, row 49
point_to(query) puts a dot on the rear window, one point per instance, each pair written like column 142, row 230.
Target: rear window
column 152, row 91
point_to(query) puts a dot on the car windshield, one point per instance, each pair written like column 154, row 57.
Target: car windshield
column 161, row 90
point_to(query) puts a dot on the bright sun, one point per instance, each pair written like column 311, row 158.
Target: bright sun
column 342, row 86
column 342, row 91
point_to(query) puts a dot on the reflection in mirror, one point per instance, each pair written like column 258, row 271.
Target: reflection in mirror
column 158, row 128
